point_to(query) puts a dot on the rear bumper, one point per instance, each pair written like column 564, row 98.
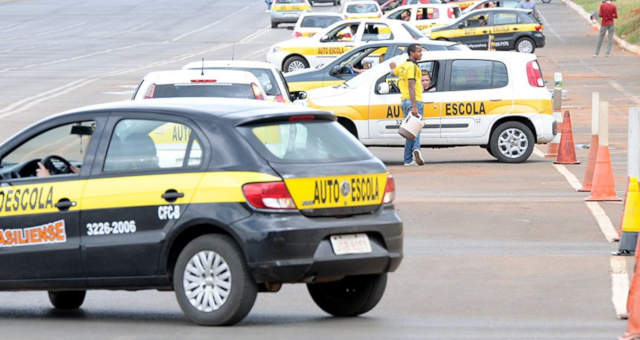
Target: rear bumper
column 294, row 248
column 539, row 39
column 285, row 17
column 546, row 127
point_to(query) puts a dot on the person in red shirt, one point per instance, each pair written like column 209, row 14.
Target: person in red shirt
column 608, row 12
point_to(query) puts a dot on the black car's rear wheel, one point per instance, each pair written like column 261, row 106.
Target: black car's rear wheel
column 351, row 296
column 525, row 45
column 67, row 299
column 212, row 283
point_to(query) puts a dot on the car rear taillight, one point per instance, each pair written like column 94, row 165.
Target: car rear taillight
column 389, row 191
column 151, row 91
column 203, row 80
column 297, row 34
column 538, row 28
column 534, row 75
column 450, row 13
column 280, row 99
column 268, row 195
column 257, row 92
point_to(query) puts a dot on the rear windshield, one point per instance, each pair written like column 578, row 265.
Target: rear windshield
column 306, row 142
column 265, row 76
column 210, row 90
column 362, row 8
column 527, row 18
column 319, row 21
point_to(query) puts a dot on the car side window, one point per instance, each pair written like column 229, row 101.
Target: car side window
column 146, row 145
column 476, row 20
column 376, row 32
column 505, row 18
column 430, row 67
column 477, row 75
column 427, row 13
column 392, row 80
column 344, row 33
column 57, row 151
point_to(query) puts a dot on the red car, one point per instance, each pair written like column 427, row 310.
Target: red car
column 388, row 5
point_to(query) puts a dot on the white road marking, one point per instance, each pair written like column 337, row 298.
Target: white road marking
column 619, row 285
column 570, row 177
column 184, row 35
column 607, row 228
column 538, row 153
column 61, row 29
column 621, row 89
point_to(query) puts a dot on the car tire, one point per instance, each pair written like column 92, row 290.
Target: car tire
column 336, row 3
column 67, row 299
column 218, row 299
column 274, row 24
column 294, row 63
column 525, row 45
column 511, row 142
column 351, row 296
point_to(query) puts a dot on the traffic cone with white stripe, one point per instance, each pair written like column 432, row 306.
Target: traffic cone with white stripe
column 567, row 150
column 603, row 187
column 630, row 220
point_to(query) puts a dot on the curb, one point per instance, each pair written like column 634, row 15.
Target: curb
column 586, row 16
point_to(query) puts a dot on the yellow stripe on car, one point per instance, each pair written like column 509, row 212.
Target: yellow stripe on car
column 337, row 191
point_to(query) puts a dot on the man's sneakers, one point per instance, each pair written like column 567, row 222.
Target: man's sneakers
column 411, row 164
column 417, row 157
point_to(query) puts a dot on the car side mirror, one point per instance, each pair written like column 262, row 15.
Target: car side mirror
column 335, row 70
column 461, row 25
column 324, row 39
column 302, row 95
column 383, row 88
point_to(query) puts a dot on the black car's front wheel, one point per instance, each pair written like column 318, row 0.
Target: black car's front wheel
column 351, row 296
column 67, row 299
column 212, row 283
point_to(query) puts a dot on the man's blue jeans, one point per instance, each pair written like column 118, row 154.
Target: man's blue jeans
column 411, row 145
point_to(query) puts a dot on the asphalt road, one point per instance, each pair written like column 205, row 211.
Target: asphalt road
column 493, row 251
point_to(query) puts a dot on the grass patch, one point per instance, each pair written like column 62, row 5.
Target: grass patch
column 628, row 22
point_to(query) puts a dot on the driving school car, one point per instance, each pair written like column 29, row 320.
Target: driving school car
column 363, row 9
column 425, row 16
column 355, row 61
column 511, row 29
column 241, row 197
column 299, row 53
column 496, row 100
column 288, row 11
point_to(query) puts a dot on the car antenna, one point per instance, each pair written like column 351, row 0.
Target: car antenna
column 202, row 70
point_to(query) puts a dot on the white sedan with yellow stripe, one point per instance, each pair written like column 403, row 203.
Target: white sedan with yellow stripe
column 300, row 53
column 361, row 10
column 426, row 16
column 496, row 100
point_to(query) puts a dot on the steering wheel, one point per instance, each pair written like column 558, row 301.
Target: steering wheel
column 48, row 163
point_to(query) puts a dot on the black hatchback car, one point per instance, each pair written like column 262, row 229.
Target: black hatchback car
column 214, row 199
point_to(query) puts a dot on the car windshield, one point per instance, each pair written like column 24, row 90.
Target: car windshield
column 306, row 142
column 225, row 90
column 319, row 21
column 362, row 8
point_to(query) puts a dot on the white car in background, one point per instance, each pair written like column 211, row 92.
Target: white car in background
column 425, row 16
column 300, row 53
column 311, row 23
column 361, row 10
column 270, row 78
column 196, row 83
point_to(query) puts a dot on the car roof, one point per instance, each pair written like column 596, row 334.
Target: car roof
column 238, row 111
column 408, row 41
column 196, row 65
column 474, row 54
column 185, row 76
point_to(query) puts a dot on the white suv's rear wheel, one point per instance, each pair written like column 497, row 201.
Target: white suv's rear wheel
column 512, row 142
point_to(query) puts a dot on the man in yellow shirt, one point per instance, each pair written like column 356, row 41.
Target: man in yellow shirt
column 410, row 84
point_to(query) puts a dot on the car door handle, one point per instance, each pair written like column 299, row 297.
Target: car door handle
column 515, row 28
column 485, row 32
column 172, row 195
column 64, row 204
column 496, row 100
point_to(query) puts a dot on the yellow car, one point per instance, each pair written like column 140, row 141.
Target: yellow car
column 510, row 29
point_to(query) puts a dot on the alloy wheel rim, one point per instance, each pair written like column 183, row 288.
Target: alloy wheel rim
column 296, row 65
column 513, row 143
column 525, row 46
column 207, row 281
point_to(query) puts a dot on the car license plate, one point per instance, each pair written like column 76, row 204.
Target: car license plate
column 350, row 244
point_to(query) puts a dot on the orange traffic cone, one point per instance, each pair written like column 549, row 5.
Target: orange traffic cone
column 633, row 305
column 603, row 187
column 567, row 151
column 630, row 220
column 591, row 164
column 552, row 151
